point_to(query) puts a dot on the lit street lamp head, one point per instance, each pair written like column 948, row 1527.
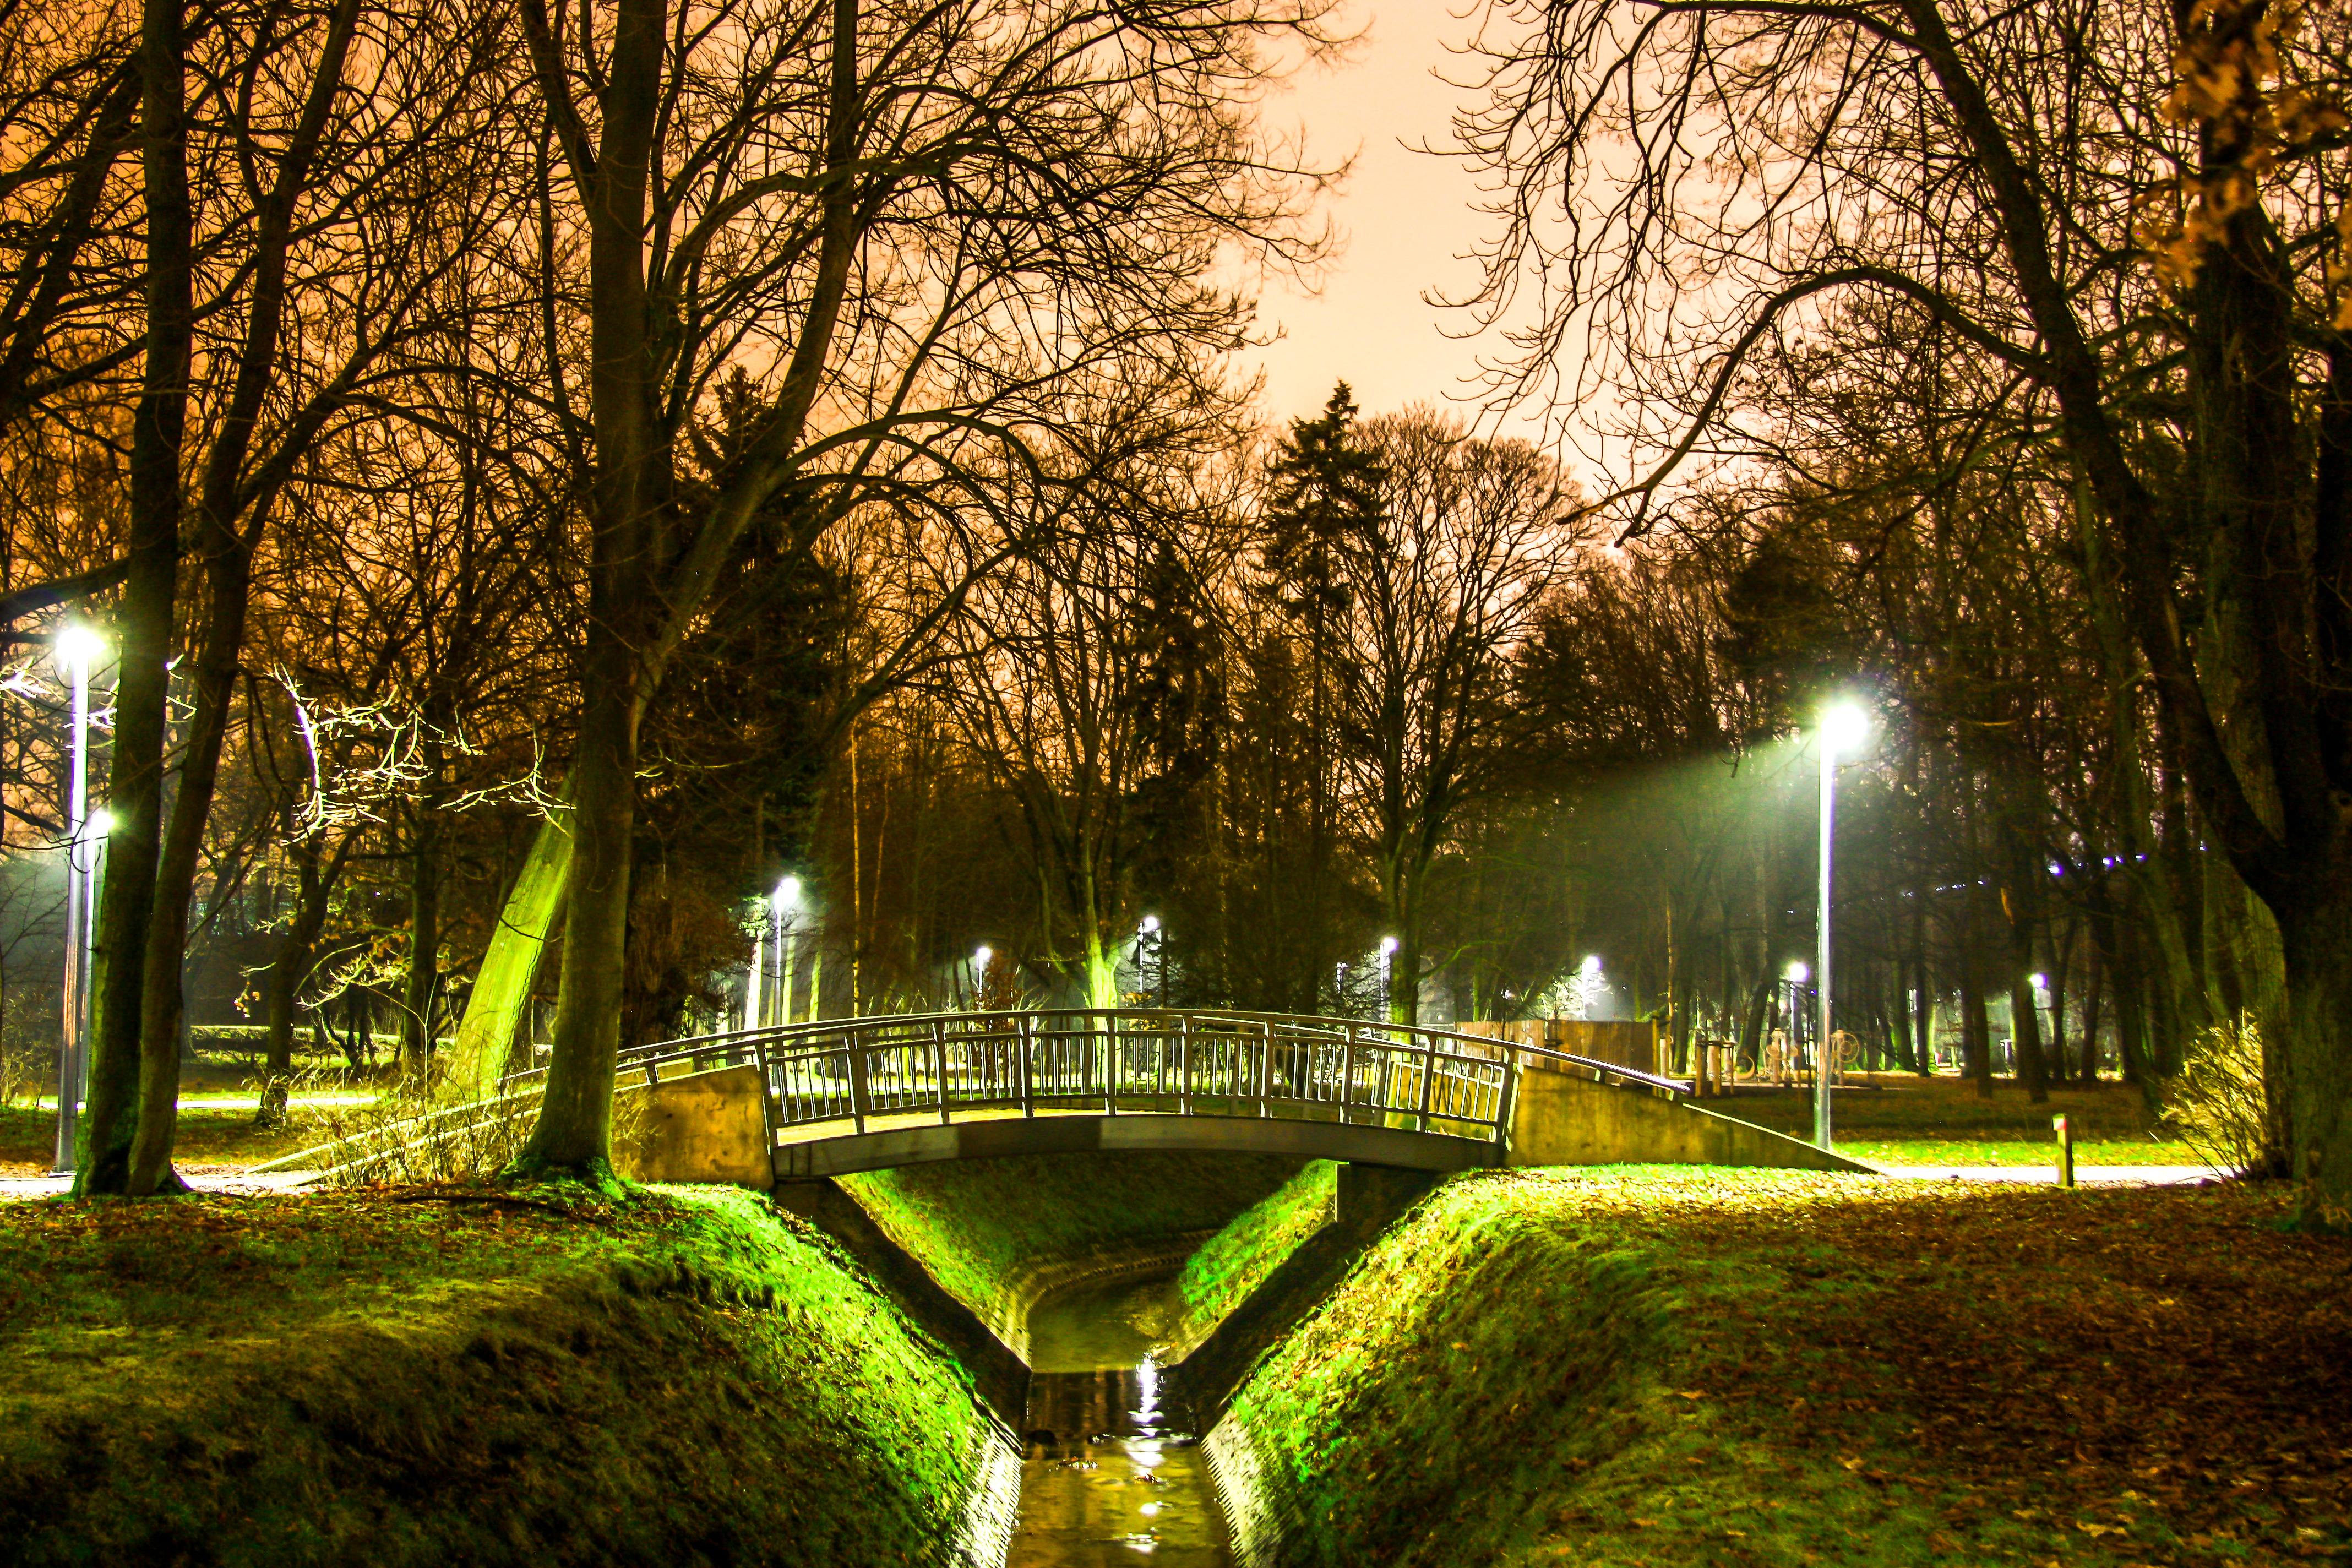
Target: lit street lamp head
column 1387, row 945
column 1799, row 973
column 1151, row 923
column 78, row 646
column 787, row 891
column 1844, row 727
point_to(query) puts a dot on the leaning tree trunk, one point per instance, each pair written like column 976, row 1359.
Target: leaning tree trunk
column 500, row 998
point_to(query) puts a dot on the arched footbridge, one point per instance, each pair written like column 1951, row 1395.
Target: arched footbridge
column 863, row 1094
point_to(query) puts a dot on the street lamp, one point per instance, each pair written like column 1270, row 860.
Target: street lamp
column 1150, row 928
column 1387, row 978
column 788, row 896
column 76, row 648
column 980, row 957
column 1844, row 728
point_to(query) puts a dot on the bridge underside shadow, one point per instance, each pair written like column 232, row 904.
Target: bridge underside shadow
column 1131, row 1133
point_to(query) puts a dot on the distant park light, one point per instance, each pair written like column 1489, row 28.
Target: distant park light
column 2039, row 982
column 981, row 955
column 787, row 891
column 1388, row 944
column 1799, row 973
column 1151, row 923
column 101, row 823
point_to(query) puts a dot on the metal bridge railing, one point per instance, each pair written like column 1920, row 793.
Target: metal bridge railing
column 1115, row 1062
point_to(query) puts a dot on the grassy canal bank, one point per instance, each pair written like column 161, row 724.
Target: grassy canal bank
column 437, row 1377
column 1622, row 1367
column 1660, row 1365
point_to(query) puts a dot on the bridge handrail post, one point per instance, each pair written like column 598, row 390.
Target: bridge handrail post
column 1109, row 1036
column 940, row 1066
column 1184, row 1064
column 859, row 1095
column 1348, row 1079
column 1428, row 1078
column 1502, row 1096
column 1265, row 1068
column 1028, row 1094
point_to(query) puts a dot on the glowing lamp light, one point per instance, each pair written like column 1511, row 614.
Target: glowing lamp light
column 1591, row 964
column 1844, row 727
column 101, row 823
column 1151, row 923
column 787, row 891
column 77, row 645
column 1387, row 945
column 2039, row 982
column 1799, row 973
column 981, row 955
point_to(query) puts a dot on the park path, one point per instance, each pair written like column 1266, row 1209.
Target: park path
column 236, row 1179
column 2043, row 1175
column 203, row 1178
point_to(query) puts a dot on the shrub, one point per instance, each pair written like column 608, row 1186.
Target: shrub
column 2216, row 1105
column 409, row 1134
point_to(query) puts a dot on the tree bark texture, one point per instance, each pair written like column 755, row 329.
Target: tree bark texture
column 143, row 622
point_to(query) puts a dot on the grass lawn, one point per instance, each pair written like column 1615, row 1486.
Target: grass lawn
column 208, row 1135
column 430, row 1376
column 1664, row 1366
column 1894, row 1119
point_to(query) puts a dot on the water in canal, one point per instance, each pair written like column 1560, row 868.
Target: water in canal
column 1111, row 1473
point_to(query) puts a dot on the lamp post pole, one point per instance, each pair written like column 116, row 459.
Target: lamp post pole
column 1842, row 728
column 788, row 897
column 76, row 648
column 1821, row 1051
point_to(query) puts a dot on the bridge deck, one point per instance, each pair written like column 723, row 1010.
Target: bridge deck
column 861, row 1094
column 910, row 1139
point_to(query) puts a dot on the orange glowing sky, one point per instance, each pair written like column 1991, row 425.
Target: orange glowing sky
column 1406, row 218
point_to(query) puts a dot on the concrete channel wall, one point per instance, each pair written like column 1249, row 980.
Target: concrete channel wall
column 1561, row 1118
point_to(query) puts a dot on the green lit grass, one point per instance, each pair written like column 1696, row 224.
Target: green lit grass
column 976, row 1225
column 1669, row 1366
column 432, row 1377
column 208, row 1135
column 1233, row 1262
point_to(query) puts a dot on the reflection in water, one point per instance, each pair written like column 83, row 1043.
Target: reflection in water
column 1111, row 1473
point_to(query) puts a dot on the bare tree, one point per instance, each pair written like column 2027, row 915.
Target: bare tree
column 908, row 224
column 1440, row 586
column 2143, row 261
column 330, row 217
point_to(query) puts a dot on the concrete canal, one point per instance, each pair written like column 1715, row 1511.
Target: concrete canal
column 1112, row 1472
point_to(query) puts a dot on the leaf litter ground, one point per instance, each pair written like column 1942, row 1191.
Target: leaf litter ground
column 1653, row 1366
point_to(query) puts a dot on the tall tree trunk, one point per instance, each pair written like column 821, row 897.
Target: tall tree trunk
column 2021, row 905
column 424, row 980
column 628, row 502
column 287, row 972
column 144, row 622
